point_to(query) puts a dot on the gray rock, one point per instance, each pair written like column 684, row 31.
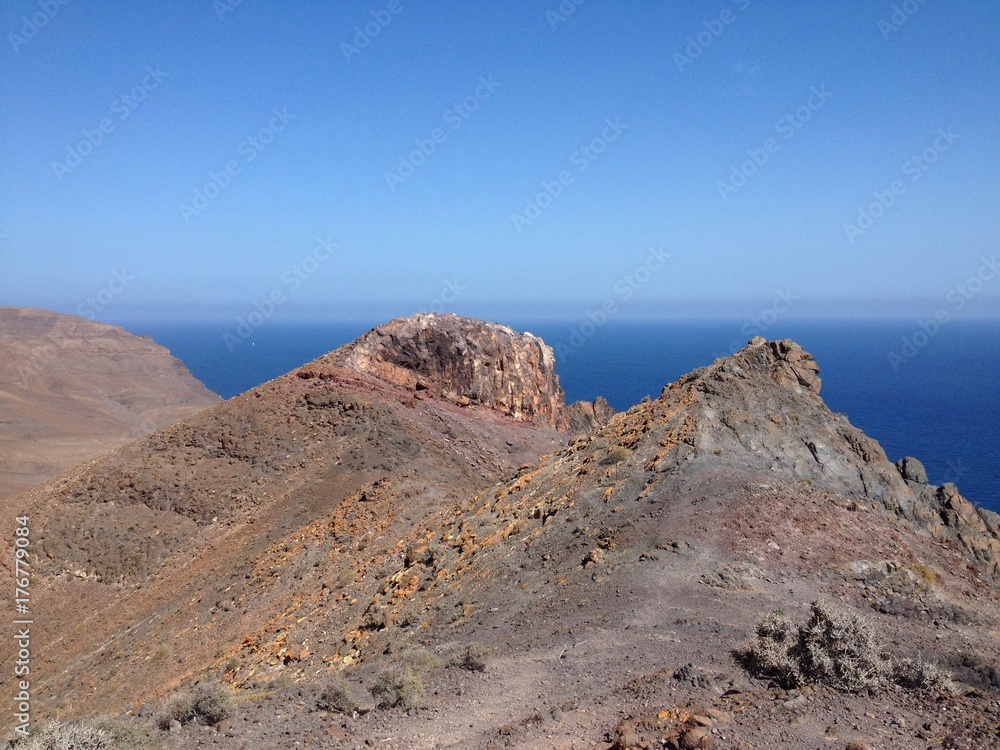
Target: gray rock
column 912, row 470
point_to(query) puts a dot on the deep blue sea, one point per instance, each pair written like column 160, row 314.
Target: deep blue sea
column 941, row 404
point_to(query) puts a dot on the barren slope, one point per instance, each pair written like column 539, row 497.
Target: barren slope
column 72, row 389
column 340, row 518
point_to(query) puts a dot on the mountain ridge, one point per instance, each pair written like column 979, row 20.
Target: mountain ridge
column 332, row 519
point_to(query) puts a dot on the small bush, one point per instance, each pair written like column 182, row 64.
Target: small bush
column 771, row 652
column 842, row 651
column 418, row 659
column 924, row 573
column 99, row 733
column 178, row 708
column 917, row 674
column 408, row 616
column 337, row 696
column 615, row 455
column 473, row 658
column 209, row 703
column 398, row 686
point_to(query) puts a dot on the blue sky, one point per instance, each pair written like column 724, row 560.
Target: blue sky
column 343, row 158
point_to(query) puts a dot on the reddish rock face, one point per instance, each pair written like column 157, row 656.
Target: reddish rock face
column 465, row 361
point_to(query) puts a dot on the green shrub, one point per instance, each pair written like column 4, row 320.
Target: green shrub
column 337, row 696
column 398, row 686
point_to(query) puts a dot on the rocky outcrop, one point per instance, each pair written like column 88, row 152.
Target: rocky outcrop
column 583, row 417
column 951, row 516
column 464, row 361
column 759, row 413
column 793, row 365
column 912, row 470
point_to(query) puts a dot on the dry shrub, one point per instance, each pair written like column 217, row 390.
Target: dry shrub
column 917, row 674
column 101, row 733
column 338, row 696
column 398, row 686
column 209, row 703
column 616, row 455
column 842, row 651
column 473, row 657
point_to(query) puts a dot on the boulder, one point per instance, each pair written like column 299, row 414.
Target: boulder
column 912, row 470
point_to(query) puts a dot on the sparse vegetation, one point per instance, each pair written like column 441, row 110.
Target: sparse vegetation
column 408, row 616
column 337, row 695
column 398, row 686
column 615, row 455
column 842, row 651
column 917, row 674
column 924, row 573
column 101, row 733
column 473, row 657
column 419, row 659
column 374, row 619
column 208, row 703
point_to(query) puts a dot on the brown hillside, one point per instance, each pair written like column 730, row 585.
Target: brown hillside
column 72, row 390
column 348, row 518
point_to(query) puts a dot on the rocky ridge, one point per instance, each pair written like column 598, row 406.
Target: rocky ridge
column 341, row 519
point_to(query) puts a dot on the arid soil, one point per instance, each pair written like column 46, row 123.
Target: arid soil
column 72, row 390
column 348, row 519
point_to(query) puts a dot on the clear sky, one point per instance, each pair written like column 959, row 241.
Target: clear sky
column 700, row 158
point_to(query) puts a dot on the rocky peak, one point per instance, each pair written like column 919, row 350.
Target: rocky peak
column 788, row 363
column 759, row 410
column 464, row 361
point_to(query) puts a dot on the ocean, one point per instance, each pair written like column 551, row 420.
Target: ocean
column 935, row 397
